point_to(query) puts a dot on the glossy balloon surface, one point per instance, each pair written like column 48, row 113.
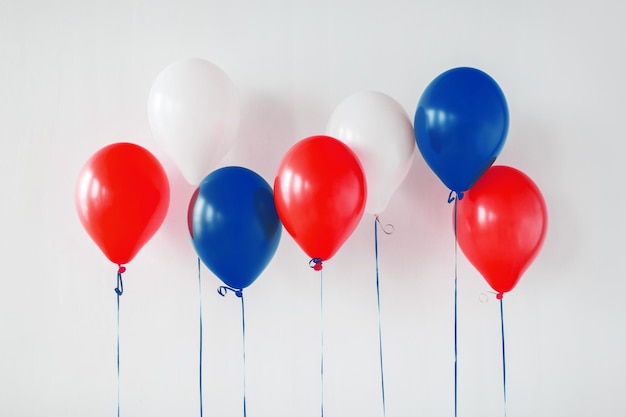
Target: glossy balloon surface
column 122, row 196
column 501, row 225
column 320, row 192
column 461, row 124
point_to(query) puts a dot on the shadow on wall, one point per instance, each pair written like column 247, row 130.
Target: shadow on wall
column 421, row 215
column 266, row 132
column 533, row 147
column 175, row 230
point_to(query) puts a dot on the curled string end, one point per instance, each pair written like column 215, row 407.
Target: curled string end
column 316, row 264
column 223, row 290
column 484, row 297
column 387, row 229
column 119, row 290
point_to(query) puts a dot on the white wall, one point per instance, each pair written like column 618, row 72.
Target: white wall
column 75, row 75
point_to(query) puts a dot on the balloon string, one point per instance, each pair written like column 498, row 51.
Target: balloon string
column 321, row 343
column 243, row 350
column 119, row 290
column 503, row 352
column 387, row 229
column 223, row 290
column 380, row 337
column 454, row 195
column 316, row 265
column 455, row 199
column 200, row 312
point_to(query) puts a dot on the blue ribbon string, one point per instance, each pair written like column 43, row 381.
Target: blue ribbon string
column 503, row 352
column 200, row 314
column 455, row 197
column 223, row 290
column 119, row 290
column 380, row 337
column 316, row 265
column 322, row 343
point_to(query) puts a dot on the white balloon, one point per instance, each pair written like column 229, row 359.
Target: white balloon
column 194, row 112
column 380, row 133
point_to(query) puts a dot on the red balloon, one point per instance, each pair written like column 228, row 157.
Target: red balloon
column 122, row 196
column 320, row 194
column 501, row 225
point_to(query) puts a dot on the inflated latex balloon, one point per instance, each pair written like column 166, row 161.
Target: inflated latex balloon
column 122, row 196
column 461, row 124
column 194, row 112
column 320, row 192
column 501, row 225
column 235, row 227
column 379, row 131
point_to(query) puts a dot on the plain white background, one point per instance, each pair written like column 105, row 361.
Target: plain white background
column 75, row 76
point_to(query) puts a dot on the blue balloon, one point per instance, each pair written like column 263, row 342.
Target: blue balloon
column 235, row 227
column 461, row 124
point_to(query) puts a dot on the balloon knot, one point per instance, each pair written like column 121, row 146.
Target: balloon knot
column 316, row 264
column 455, row 195
column 499, row 295
column 121, row 269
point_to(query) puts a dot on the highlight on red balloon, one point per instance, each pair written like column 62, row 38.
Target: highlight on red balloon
column 501, row 225
column 122, row 196
column 320, row 194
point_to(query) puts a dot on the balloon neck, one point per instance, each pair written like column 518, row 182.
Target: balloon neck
column 316, row 264
column 121, row 269
column 499, row 295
